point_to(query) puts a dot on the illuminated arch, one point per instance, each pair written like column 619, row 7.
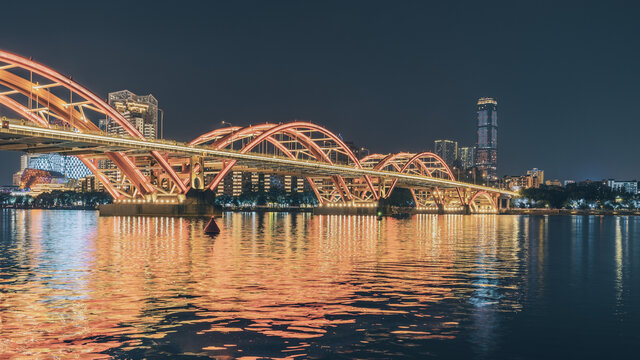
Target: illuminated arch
column 300, row 140
column 60, row 100
column 424, row 164
column 492, row 206
column 370, row 161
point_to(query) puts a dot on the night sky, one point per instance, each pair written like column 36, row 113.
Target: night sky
column 391, row 76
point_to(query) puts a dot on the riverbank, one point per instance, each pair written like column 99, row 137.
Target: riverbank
column 11, row 207
column 288, row 209
column 601, row 212
column 364, row 211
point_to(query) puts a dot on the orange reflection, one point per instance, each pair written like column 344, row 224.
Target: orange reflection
column 291, row 276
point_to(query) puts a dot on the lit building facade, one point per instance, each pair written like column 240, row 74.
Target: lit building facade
column 630, row 187
column 447, row 150
column 467, row 157
column 537, row 177
column 43, row 179
column 237, row 182
column 554, row 182
column 69, row 166
column 487, row 143
column 89, row 184
column 517, row 183
column 140, row 110
column 533, row 179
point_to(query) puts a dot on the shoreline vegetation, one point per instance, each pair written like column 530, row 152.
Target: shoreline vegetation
column 590, row 198
column 56, row 200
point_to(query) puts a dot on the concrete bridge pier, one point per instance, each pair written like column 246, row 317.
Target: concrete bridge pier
column 195, row 203
column 157, row 209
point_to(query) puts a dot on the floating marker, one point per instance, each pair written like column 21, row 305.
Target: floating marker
column 212, row 227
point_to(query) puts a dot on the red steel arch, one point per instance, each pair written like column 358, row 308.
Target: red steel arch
column 424, row 163
column 485, row 195
column 17, row 74
column 47, row 98
column 304, row 139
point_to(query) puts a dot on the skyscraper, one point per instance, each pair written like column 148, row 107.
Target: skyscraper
column 447, row 150
column 487, row 145
column 140, row 110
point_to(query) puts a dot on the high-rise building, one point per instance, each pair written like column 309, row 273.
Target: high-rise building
column 487, row 145
column 467, row 157
column 140, row 110
column 447, row 150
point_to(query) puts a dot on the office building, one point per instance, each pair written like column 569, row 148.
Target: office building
column 467, row 157
column 628, row 186
column 447, row 150
column 487, row 143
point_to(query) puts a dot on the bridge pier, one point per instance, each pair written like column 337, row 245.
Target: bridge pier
column 195, row 203
column 133, row 209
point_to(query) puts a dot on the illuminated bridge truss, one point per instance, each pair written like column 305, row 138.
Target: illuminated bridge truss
column 48, row 99
column 45, row 97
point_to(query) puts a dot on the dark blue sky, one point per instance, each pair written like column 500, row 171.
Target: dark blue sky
column 390, row 76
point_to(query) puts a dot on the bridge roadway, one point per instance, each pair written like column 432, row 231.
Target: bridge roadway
column 17, row 135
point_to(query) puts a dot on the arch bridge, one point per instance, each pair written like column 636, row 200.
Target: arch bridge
column 56, row 114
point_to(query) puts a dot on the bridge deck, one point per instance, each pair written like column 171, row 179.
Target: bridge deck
column 21, row 136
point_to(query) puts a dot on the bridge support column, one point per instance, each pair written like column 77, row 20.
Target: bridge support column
column 197, row 172
column 503, row 203
column 467, row 209
column 440, row 209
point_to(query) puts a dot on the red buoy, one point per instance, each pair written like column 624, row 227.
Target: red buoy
column 212, row 227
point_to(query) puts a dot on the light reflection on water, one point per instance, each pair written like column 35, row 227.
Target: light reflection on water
column 294, row 285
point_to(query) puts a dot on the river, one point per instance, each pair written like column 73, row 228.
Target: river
column 298, row 286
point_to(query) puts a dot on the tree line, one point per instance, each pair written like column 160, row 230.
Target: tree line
column 594, row 195
column 56, row 200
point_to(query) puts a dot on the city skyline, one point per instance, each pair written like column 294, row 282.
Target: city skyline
column 432, row 99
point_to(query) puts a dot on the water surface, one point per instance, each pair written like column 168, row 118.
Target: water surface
column 279, row 285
